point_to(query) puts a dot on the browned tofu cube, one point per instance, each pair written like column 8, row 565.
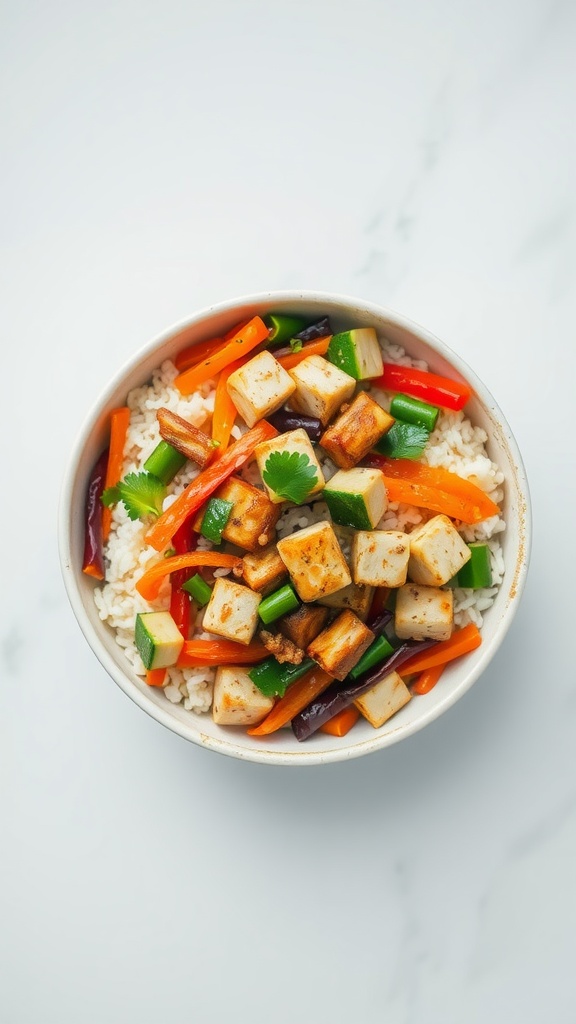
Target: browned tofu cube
column 303, row 625
column 338, row 647
column 356, row 431
column 253, row 517
column 383, row 700
column 423, row 613
column 236, row 700
column 264, row 570
column 232, row 611
column 356, row 596
column 315, row 561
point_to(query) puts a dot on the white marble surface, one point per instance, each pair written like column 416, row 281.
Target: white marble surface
column 155, row 158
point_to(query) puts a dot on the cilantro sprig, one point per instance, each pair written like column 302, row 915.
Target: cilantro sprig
column 141, row 493
column 290, row 475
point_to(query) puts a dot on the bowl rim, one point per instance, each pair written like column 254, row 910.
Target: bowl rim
column 263, row 754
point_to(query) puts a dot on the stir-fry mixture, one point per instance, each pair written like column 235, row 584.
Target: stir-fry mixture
column 307, row 543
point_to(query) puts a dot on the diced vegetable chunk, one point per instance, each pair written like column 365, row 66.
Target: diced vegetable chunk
column 437, row 552
column 357, row 352
column 315, row 561
column 383, row 700
column 259, row 387
column 158, row 639
column 380, row 557
column 423, row 613
column 237, row 701
column 292, row 442
column 411, row 410
column 338, row 647
column 321, row 388
column 477, row 572
column 232, row 611
column 279, row 603
column 356, row 431
column 356, row 497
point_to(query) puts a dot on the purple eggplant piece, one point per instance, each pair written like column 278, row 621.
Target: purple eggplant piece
column 318, row 330
column 379, row 622
column 285, row 420
column 93, row 558
column 340, row 695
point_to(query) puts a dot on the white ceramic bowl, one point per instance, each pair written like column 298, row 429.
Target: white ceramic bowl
column 283, row 748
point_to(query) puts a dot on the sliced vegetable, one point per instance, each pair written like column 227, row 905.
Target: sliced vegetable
column 477, row 572
column 279, row 603
column 200, row 489
column 381, row 648
column 196, row 653
column 215, row 518
column 403, row 441
column 158, row 639
column 290, row 475
column 318, row 330
column 225, row 411
column 356, row 497
column 285, row 420
column 149, row 584
column 427, row 680
column 429, row 479
column 199, row 590
column 141, row 493
column 272, row 678
column 155, row 676
column 244, row 341
column 412, row 410
column 313, row 348
column 164, row 462
column 195, row 444
column 297, row 697
column 357, row 353
column 184, row 540
column 430, row 387
column 194, row 354
column 93, row 557
column 462, row 641
column 282, row 327
column 119, row 423
column 342, row 722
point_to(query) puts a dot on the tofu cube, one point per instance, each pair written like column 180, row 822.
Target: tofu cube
column 315, row 561
column 356, row 431
column 380, row 557
column 259, row 387
column 236, row 700
column 303, row 625
column 321, row 388
column 338, row 647
column 355, row 596
column 356, row 497
column 232, row 611
column 252, row 521
column 437, row 552
column 383, row 700
column 292, row 441
column 423, row 613
column 264, row 571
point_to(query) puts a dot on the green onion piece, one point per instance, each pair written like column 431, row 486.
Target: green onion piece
column 215, row 518
column 379, row 649
column 411, row 410
column 164, row 462
column 279, row 603
column 282, row 328
column 198, row 589
column 403, row 441
column 477, row 572
column 272, row 678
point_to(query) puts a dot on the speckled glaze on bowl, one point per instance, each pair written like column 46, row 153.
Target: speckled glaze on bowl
column 283, row 748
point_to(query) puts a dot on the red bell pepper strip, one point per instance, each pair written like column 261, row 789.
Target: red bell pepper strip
column 429, row 387
column 197, row 653
column 200, row 489
column 93, row 558
column 183, row 541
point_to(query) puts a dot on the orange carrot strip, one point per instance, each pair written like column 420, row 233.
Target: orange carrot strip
column 461, row 642
column 412, row 492
column 200, row 489
column 244, row 341
column 427, row 680
column 225, row 411
column 155, row 676
column 313, row 348
column 194, row 354
column 342, row 722
column 297, row 696
column 119, row 422
column 148, row 586
column 236, row 329
column 442, row 479
column 196, row 653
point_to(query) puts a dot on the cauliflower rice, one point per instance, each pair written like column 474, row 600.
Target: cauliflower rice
column 456, row 444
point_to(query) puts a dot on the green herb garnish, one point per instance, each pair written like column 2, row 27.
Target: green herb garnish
column 141, row 493
column 295, row 345
column 290, row 475
column 403, row 441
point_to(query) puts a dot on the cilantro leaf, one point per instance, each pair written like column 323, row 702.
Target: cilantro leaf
column 141, row 493
column 290, row 475
column 295, row 345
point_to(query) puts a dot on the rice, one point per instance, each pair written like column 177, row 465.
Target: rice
column 455, row 444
